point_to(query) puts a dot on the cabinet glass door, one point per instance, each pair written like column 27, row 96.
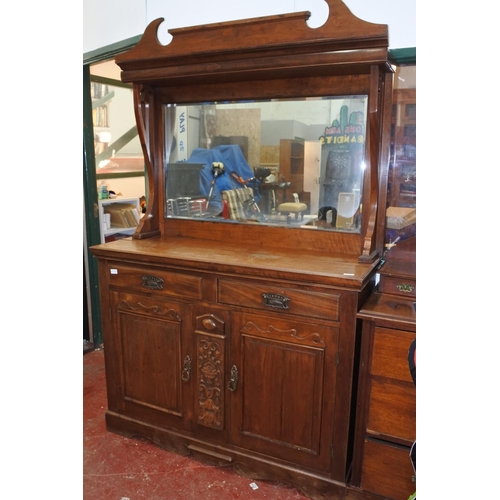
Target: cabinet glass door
column 402, row 181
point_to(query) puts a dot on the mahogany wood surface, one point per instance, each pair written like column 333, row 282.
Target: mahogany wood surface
column 388, row 471
column 258, row 37
column 386, row 402
column 237, row 343
column 207, row 255
column 270, row 57
column 175, row 334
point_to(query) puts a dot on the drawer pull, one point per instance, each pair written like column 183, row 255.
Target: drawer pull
column 209, row 324
column 186, row 369
column 275, row 301
column 404, row 287
column 152, row 282
column 233, row 381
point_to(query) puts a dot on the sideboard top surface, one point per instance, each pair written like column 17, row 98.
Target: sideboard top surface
column 226, row 257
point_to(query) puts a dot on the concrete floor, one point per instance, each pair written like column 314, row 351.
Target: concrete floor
column 118, row 468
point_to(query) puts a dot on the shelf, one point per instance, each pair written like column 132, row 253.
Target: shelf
column 115, row 230
column 97, row 103
column 126, row 228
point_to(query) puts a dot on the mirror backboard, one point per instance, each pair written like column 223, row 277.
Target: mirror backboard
column 288, row 162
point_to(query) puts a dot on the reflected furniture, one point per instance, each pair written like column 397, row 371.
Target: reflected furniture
column 403, row 160
column 230, row 341
column 112, row 224
column 241, row 141
column 292, row 167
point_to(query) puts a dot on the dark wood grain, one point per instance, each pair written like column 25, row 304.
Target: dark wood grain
column 388, row 471
column 239, row 343
column 385, row 425
column 263, row 58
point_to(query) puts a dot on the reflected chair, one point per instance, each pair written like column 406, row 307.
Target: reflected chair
column 296, row 207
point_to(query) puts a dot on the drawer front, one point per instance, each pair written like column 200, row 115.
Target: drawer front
column 392, row 409
column 167, row 283
column 390, row 353
column 387, row 471
column 398, row 286
column 274, row 298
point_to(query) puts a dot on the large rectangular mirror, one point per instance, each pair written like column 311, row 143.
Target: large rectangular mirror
column 289, row 162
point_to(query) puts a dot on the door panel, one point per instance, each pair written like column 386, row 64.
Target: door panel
column 284, row 372
column 154, row 344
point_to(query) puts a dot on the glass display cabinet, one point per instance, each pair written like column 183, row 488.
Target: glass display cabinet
column 231, row 325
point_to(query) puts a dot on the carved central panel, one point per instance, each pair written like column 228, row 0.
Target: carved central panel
column 210, row 384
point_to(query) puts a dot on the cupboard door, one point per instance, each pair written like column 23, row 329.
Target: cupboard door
column 282, row 384
column 151, row 344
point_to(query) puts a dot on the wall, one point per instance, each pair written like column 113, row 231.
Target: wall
column 100, row 26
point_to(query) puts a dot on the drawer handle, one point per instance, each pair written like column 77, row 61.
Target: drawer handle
column 152, row 282
column 209, row 324
column 404, row 287
column 186, row 369
column 275, row 301
column 233, row 381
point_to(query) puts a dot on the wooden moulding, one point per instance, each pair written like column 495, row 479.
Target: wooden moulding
column 285, row 34
column 276, row 56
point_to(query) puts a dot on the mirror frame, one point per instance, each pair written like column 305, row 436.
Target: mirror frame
column 270, row 57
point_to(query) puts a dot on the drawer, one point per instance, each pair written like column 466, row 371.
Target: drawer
column 270, row 297
column 390, row 353
column 387, row 470
column 167, row 283
column 392, row 409
column 398, row 286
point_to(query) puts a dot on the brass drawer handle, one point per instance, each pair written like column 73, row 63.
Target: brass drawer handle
column 152, row 282
column 233, row 381
column 186, row 369
column 275, row 301
column 404, row 287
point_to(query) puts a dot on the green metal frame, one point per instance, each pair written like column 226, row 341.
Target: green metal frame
column 109, row 51
column 401, row 57
column 103, row 100
column 121, row 141
column 110, row 81
column 90, row 176
column 117, row 145
column 91, row 206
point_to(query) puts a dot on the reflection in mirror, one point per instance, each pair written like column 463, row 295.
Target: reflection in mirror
column 296, row 163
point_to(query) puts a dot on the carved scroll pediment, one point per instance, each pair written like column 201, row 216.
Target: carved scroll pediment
column 341, row 31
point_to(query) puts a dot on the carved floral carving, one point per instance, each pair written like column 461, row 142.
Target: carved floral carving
column 315, row 337
column 171, row 313
column 210, row 395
